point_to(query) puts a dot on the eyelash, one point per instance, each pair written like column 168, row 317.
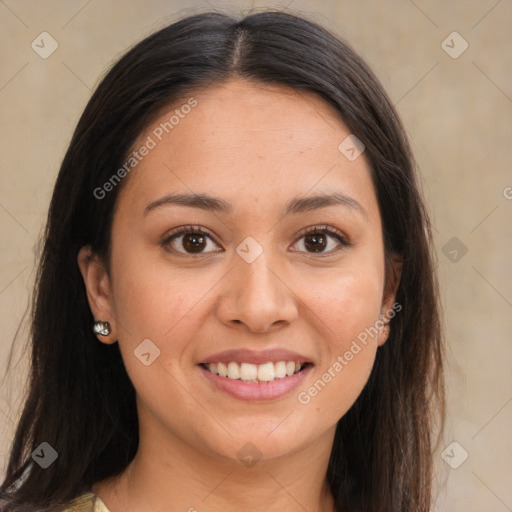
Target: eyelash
column 314, row 230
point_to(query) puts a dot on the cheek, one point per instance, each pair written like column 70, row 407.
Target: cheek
column 338, row 384
column 166, row 306
column 152, row 299
column 348, row 307
column 347, row 302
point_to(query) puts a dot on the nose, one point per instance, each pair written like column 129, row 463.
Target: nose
column 257, row 296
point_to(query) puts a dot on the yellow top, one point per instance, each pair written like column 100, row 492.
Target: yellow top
column 87, row 502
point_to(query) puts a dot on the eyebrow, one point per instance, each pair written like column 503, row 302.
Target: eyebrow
column 294, row 206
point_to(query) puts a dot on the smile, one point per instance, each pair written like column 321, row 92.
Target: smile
column 256, row 382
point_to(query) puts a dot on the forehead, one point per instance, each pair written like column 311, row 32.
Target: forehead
column 247, row 142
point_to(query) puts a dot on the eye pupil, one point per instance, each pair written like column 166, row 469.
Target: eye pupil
column 194, row 242
column 315, row 242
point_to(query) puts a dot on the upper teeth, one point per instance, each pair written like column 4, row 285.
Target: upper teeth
column 255, row 372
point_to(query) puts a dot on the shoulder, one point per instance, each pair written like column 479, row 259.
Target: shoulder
column 87, row 502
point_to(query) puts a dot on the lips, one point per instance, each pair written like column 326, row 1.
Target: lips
column 256, row 375
column 256, row 357
column 256, row 391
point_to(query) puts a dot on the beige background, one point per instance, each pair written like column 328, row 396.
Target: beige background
column 458, row 112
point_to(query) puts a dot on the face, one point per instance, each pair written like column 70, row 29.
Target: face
column 279, row 269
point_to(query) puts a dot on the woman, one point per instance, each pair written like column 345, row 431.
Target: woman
column 236, row 306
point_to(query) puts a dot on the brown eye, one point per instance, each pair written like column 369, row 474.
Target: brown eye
column 194, row 242
column 315, row 242
column 190, row 240
column 324, row 240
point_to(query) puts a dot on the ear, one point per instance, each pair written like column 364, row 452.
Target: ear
column 98, row 288
column 389, row 308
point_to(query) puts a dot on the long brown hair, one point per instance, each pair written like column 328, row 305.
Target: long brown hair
column 80, row 398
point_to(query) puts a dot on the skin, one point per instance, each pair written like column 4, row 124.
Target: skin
column 257, row 147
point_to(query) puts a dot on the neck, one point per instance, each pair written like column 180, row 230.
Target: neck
column 178, row 477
